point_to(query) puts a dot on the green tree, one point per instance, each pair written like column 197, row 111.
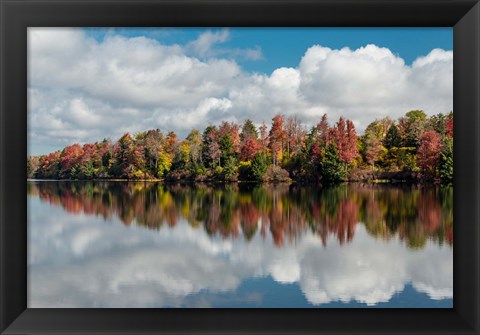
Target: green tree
column 226, row 149
column 87, row 170
column 392, row 138
column 437, row 123
column 332, row 169
column 259, row 166
column 195, row 141
column 411, row 127
column 181, row 159
column 230, row 169
column 249, row 131
column 446, row 161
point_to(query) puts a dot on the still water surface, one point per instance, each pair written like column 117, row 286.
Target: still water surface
column 115, row 244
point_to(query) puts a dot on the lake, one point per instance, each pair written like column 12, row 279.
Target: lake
column 148, row 244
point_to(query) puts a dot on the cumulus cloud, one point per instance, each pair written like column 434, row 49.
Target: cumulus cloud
column 83, row 261
column 84, row 90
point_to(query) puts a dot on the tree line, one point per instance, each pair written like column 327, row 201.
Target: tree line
column 414, row 147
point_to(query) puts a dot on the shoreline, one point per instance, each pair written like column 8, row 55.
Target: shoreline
column 293, row 182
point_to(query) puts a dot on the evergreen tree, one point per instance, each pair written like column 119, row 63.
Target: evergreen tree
column 332, row 169
column 249, row 131
column 259, row 166
column 392, row 139
column 446, row 161
column 226, row 149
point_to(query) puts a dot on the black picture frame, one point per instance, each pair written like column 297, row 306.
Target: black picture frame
column 17, row 15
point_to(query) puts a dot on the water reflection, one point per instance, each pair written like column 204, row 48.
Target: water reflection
column 413, row 213
column 237, row 245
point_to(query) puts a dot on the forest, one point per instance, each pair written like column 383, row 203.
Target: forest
column 414, row 148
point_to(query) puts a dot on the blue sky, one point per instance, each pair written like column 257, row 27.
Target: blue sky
column 89, row 84
column 285, row 46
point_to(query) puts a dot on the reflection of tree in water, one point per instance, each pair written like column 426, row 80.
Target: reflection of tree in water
column 413, row 213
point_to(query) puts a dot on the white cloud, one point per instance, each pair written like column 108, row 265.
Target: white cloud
column 120, row 84
column 204, row 43
column 195, row 118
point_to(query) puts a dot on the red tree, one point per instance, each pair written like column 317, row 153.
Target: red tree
column 374, row 148
column 428, row 154
column 70, row 157
column 49, row 165
column 171, row 142
column 316, row 152
column 323, row 131
column 250, row 147
column 263, row 137
column 91, row 154
column 277, row 136
column 233, row 130
column 213, row 147
column 449, row 127
column 345, row 140
column 351, row 149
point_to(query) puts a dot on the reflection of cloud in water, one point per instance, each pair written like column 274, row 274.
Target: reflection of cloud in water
column 81, row 261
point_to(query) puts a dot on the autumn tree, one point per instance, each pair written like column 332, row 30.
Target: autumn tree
column 250, row 144
column 374, row 139
column 449, row 126
column 323, row 131
column 91, row 156
column 428, row 154
column 373, row 151
column 294, row 136
column 210, row 147
column 70, row 158
column 49, row 165
column 351, row 145
column 379, row 128
column 411, row 127
column 224, row 152
column 345, row 139
column 194, row 139
column 263, row 137
column 153, row 144
column 233, row 131
column 171, row 143
column 277, row 136
column 181, row 159
column 249, row 148
column 127, row 158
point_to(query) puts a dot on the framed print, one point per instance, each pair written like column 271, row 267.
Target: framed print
column 239, row 167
